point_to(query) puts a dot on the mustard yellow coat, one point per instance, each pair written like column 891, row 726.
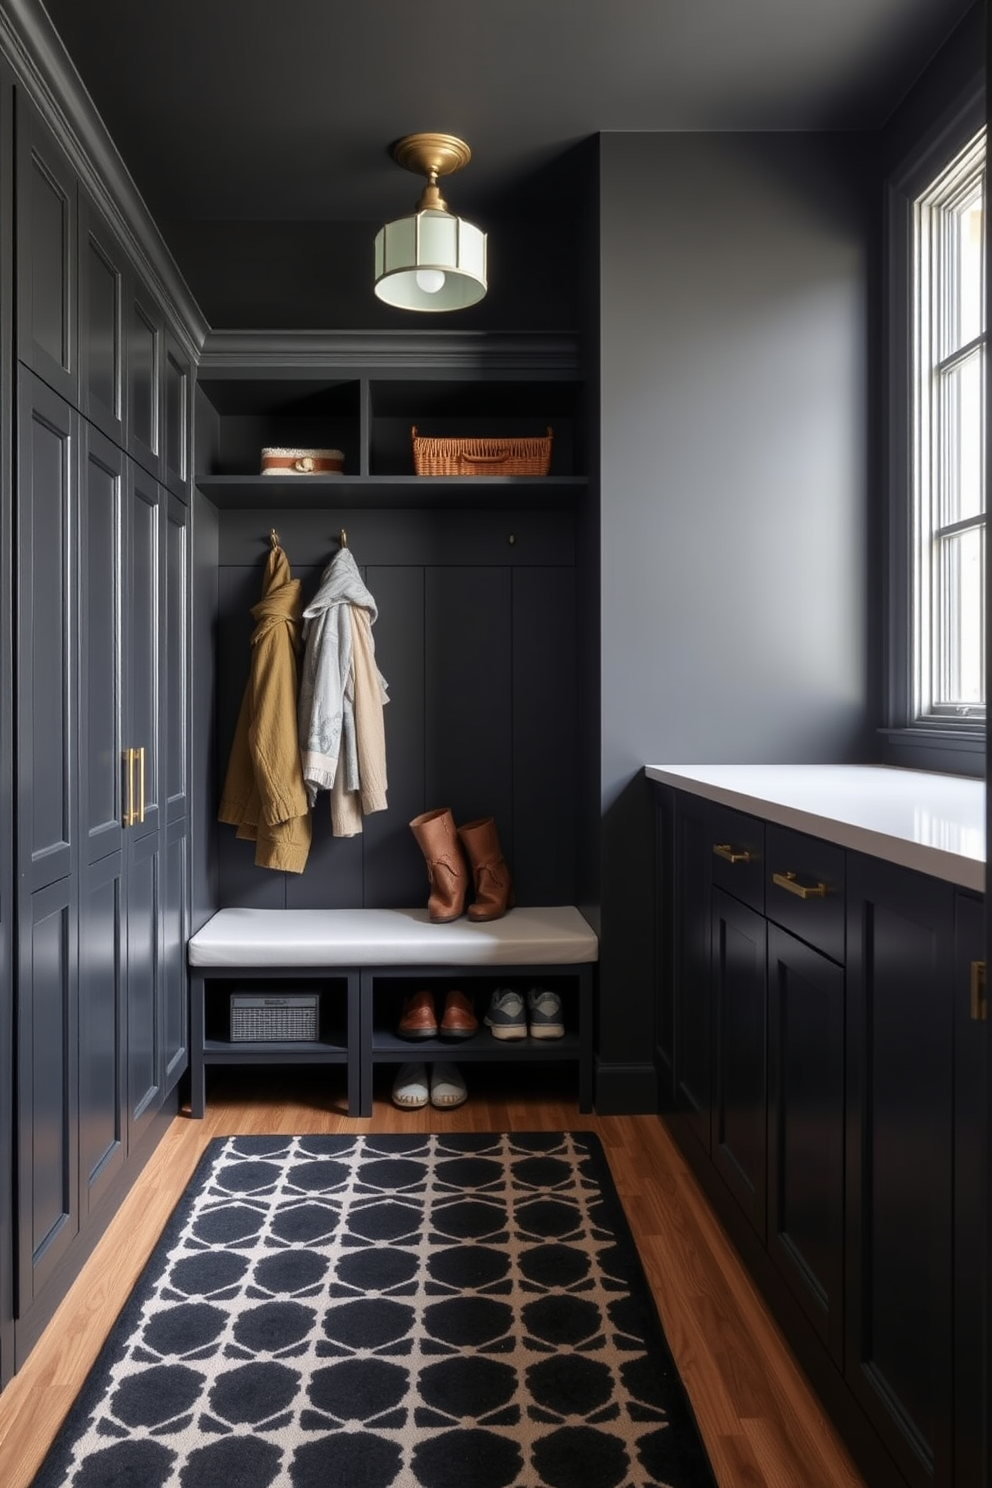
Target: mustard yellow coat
column 264, row 795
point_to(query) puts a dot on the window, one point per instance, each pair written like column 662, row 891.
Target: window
column 948, row 445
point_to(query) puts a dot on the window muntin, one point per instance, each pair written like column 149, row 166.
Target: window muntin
column 949, row 456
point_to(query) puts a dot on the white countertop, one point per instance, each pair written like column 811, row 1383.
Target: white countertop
column 932, row 823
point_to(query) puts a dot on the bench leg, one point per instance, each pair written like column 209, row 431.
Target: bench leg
column 585, row 1039
column 197, row 1070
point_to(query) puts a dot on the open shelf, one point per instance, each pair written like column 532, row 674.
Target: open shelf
column 381, row 492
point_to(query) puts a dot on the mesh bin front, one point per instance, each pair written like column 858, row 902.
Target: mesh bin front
column 268, row 1019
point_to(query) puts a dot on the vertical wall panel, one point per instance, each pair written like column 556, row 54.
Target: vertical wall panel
column 545, row 728
column 468, row 694
column 101, row 557
column 395, row 875
column 175, row 764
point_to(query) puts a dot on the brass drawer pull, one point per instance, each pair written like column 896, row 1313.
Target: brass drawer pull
column 730, row 855
column 789, row 882
column 979, row 1001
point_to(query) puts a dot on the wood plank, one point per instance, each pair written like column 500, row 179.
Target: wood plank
column 761, row 1424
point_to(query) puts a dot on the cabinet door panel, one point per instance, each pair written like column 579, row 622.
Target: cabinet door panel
column 899, row 1162
column 101, row 336
column 173, row 979
column 47, row 196
column 46, row 739
column 144, row 350
column 143, row 637
column 740, row 1124
column 971, row 1197
column 48, row 1186
column 693, row 1052
column 174, row 626
column 176, row 410
column 144, row 1034
column 806, row 1129
column 100, row 545
column 101, row 1028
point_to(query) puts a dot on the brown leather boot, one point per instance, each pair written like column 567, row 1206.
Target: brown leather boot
column 493, row 888
column 446, row 871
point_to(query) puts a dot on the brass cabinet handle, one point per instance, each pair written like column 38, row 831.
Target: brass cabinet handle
column 979, row 1001
column 789, row 882
column 730, row 855
column 141, row 782
column 127, row 758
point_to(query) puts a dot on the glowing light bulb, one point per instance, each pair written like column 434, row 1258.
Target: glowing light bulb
column 430, row 280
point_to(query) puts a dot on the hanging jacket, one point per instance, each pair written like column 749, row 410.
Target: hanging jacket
column 327, row 689
column 361, row 790
column 264, row 795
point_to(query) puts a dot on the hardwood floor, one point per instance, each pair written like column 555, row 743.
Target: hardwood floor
column 761, row 1425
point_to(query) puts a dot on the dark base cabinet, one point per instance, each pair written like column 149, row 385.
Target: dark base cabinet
column 829, row 1089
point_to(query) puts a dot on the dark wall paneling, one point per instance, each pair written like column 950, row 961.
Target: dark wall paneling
column 545, row 727
column 46, row 243
column 468, row 695
column 476, row 642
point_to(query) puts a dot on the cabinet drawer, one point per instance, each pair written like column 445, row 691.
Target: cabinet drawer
column 737, row 855
column 804, row 889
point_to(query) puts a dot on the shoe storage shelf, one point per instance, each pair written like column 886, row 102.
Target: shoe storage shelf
column 244, row 408
column 384, row 991
column 364, row 963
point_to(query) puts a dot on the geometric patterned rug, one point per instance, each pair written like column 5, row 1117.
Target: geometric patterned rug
column 395, row 1311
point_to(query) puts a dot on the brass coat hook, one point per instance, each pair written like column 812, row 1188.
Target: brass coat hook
column 343, row 539
column 273, row 537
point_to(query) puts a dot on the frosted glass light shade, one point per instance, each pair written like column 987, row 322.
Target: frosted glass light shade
column 430, row 240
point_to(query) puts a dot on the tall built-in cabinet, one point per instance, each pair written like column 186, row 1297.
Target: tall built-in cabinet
column 103, row 402
column 6, row 742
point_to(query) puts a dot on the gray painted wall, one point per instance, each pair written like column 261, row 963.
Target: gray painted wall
column 734, row 490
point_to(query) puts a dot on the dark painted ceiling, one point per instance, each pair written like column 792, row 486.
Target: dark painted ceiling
column 285, row 108
column 282, row 111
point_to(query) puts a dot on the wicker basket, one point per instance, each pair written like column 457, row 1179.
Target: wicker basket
column 496, row 456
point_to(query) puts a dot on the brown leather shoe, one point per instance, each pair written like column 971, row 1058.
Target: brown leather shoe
column 459, row 1020
column 418, row 1020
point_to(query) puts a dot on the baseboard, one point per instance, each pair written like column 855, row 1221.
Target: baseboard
column 626, row 1089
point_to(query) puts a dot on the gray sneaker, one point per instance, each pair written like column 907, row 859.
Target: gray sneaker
column 544, row 1014
column 506, row 1017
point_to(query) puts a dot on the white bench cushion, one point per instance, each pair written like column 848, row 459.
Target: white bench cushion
column 391, row 937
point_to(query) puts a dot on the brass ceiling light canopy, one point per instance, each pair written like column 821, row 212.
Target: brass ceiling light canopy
column 432, row 260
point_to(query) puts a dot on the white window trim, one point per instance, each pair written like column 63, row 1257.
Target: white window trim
column 941, row 744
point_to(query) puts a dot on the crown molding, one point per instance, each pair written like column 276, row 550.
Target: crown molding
column 42, row 65
column 352, row 351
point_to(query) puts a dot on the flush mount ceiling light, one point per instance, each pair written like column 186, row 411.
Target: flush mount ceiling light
column 432, row 260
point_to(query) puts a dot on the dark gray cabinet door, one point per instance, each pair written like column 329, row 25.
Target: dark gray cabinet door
column 144, row 379
column 739, row 1105
column 102, row 297
column 692, row 1011
column 806, row 1129
column 144, row 637
column 47, row 1121
column 46, row 217
column 900, row 1162
column 47, row 770
column 173, row 981
column 6, row 743
column 971, row 1197
column 102, row 1022
column 176, row 403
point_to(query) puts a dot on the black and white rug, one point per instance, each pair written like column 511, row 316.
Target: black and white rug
column 431, row 1311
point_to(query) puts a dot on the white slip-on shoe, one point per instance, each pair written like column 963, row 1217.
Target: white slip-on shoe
column 447, row 1086
column 410, row 1088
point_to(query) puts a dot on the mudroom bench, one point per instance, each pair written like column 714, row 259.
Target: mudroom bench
column 325, row 986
